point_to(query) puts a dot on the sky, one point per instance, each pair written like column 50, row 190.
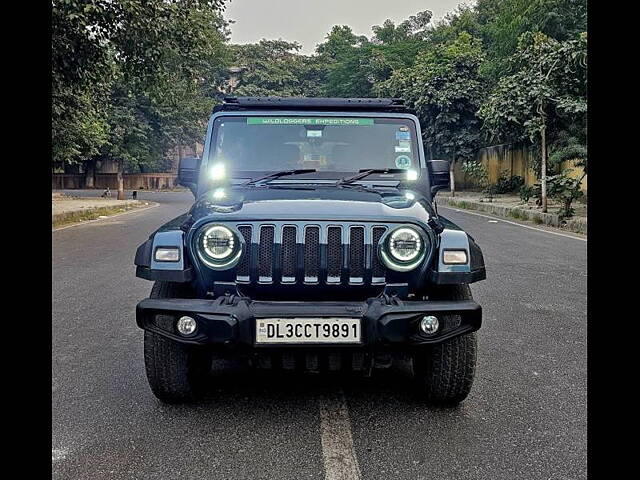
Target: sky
column 309, row 21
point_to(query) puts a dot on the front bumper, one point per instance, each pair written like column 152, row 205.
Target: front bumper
column 230, row 321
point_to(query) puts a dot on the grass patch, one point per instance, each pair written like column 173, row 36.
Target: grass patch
column 89, row 214
column 514, row 214
column 538, row 220
column 464, row 204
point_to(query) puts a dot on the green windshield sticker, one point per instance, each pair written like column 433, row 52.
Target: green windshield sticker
column 309, row 121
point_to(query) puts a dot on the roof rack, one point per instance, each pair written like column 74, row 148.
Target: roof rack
column 313, row 103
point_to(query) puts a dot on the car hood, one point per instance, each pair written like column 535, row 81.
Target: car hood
column 311, row 203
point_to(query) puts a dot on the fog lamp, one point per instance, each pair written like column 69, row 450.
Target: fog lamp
column 186, row 325
column 429, row 324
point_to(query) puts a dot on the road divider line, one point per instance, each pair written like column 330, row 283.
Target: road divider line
column 154, row 204
column 338, row 453
column 512, row 223
column 58, row 454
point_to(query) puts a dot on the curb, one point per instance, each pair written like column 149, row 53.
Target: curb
column 577, row 225
column 98, row 211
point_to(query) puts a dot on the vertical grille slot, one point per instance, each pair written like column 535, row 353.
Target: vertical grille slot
column 334, row 254
column 356, row 255
column 288, row 253
column 243, row 265
column 265, row 254
column 311, row 254
column 378, row 270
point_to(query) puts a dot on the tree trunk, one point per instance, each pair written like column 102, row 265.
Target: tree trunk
column 90, row 173
column 120, row 179
column 176, row 165
column 452, row 179
column 543, row 168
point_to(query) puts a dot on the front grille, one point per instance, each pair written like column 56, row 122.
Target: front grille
column 243, row 266
column 289, row 257
column 334, row 254
column 376, row 265
column 311, row 254
column 356, row 254
column 265, row 253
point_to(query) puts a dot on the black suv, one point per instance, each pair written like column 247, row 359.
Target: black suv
column 313, row 245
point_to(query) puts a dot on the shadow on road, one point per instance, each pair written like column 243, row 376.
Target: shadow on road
column 389, row 386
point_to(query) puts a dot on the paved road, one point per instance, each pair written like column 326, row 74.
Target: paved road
column 525, row 417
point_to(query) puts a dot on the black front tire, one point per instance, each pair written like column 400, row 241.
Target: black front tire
column 444, row 372
column 176, row 373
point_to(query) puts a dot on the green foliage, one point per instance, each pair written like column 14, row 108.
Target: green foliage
column 547, row 87
column 527, row 191
column 446, row 91
column 507, row 183
column 478, row 173
column 131, row 79
column 502, row 22
column 570, row 144
column 356, row 64
column 273, row 67
column 565, row 189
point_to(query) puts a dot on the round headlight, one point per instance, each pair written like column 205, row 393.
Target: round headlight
column 403, row 249
column 405, row 244
column 218, row 246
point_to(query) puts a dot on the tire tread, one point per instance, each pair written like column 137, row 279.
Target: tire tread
column 445, row 371
column 176, row 373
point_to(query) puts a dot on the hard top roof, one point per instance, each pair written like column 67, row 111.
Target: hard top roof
column 395, row 105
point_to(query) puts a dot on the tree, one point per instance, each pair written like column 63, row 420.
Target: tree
column 546, row 90
column 154, row 63
column 356, row 64
column 347, row 58
column 446, row 91
column 504, row 21
column 82, row 68
column 274, row 67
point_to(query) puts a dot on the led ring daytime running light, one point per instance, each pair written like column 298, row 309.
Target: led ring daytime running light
column 219, row 247
column 403, row 250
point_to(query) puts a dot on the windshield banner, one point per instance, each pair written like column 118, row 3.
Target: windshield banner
column 308, row 121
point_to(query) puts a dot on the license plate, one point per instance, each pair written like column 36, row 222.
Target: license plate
column 307, row 330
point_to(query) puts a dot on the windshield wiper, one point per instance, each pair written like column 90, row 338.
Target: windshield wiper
column 279, row 174
column 366, row 172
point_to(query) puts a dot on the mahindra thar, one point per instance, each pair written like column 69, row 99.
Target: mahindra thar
column 314, row 244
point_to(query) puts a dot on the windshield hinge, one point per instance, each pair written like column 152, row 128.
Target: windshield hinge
column 435, row 224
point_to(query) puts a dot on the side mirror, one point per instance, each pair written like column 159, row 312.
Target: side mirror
column 188, row 172
column 439, row 174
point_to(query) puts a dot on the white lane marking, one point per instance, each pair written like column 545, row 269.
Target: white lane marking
column 58, row 454
column 340, row 461
column 513, row 223
column 102, row 217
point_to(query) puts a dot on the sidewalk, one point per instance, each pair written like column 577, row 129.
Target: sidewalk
column 511, row 206
column 69, row 209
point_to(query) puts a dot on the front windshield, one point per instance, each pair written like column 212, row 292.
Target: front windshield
column 246, row 146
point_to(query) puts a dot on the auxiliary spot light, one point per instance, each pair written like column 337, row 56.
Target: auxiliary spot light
column 217, row 171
